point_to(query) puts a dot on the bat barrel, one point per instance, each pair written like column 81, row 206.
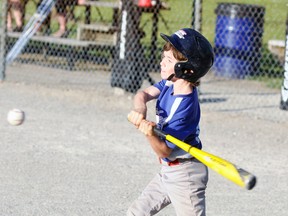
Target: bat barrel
column 251, row 182
column 248, row 179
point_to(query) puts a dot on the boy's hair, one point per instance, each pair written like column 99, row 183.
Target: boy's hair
column 178, row 56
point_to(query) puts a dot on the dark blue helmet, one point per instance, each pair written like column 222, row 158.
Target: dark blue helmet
column 198, row 51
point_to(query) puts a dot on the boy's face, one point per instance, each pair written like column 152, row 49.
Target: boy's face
column 167, row 64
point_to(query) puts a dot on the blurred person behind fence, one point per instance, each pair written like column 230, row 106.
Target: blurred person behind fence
column 61, row 9
column 15, row 11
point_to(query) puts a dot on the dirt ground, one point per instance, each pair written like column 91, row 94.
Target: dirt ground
column 76, row 154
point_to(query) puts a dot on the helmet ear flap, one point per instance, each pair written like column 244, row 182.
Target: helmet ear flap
column 184, row 70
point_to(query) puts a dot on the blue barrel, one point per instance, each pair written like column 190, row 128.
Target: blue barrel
column 238, row 38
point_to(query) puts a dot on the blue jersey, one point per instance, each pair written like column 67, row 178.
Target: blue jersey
column 179, row 116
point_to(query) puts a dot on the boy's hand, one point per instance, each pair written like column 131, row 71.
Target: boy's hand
column 138, row 119
column 135, row 117
column 146, row 127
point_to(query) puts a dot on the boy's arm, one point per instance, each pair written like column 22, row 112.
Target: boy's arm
column 138, row 115
column 158, row 145
column 139, row 110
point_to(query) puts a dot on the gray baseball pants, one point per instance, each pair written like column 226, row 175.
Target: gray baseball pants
column 182, row 185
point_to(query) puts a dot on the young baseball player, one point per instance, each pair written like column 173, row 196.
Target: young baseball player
column 187, row 56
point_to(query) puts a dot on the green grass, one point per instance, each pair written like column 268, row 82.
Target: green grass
column 180, row 16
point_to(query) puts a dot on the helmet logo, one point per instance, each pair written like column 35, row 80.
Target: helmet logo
column 181, row 34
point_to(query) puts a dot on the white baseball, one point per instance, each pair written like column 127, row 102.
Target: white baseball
column 15, row 117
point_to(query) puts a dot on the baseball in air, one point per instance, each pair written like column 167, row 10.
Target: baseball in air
column 15, row 117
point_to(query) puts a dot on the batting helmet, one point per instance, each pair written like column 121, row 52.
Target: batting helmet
column 198, row 51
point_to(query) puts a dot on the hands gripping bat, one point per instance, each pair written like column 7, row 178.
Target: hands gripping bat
column 228, row 170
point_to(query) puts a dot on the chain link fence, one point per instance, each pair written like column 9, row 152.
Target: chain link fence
column 122, row 38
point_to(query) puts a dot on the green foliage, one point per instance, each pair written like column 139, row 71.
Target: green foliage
column 267, row 60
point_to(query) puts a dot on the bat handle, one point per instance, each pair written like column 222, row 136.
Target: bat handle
column 159, row 132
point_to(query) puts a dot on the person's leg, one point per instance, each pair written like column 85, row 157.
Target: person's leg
column 61, row 18
column 17, row 10
column 186, row 184
column 9, row 21
column 9, row 16
column 44, row 29
column 151, row 201
column 61, row 8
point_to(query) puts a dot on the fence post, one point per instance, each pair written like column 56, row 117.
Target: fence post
column 197, row 15
column 128, row 66
column 3, row 34
column 284, row 88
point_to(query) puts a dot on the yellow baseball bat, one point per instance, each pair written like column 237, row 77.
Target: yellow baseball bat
column 228, row 170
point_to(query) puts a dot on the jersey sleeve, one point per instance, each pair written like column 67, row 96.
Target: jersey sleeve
column 160, row 85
